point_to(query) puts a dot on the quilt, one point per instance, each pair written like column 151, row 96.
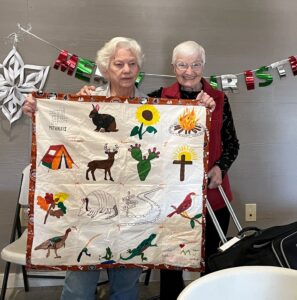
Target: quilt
column 117, row 181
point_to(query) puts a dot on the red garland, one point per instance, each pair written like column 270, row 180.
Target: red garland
column 66, row 64
column 293, row 63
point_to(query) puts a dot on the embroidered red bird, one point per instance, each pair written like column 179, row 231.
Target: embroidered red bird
column 186, row 204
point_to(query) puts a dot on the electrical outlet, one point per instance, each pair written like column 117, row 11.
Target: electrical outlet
column 251, row 212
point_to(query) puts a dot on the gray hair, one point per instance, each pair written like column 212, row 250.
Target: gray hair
column 188, row 48
column 108, row 50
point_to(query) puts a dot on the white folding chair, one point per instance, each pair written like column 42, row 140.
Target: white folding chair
column 15, row 251
column 244, row 283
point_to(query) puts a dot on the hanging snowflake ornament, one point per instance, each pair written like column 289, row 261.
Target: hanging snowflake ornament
column 16, row 81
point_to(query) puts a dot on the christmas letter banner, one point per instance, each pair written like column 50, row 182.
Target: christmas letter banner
column 117, row 181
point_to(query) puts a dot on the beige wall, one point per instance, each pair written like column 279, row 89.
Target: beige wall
column 237, row 35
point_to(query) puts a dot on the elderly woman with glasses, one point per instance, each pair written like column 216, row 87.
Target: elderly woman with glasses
column 119, row 60
column 188, row 60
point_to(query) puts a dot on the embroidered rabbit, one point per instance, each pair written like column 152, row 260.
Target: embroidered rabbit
column 103, row 122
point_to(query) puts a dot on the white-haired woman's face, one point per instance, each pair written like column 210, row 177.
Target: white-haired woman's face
column 188, row 70
column 123, row 69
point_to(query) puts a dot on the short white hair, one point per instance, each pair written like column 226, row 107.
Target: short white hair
column 188, row 48
column 105, row 54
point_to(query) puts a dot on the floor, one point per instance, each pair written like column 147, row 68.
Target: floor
column 149, row 292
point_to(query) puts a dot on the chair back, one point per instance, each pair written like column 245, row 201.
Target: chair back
column 24, row 192
column 244, row 283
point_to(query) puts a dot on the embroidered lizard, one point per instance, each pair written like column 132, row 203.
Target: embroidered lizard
column 140, row 248
column 108, row 254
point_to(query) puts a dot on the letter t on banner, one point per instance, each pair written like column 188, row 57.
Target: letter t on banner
column 280, row 68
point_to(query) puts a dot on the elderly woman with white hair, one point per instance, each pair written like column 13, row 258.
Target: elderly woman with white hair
column 119, row 60
column 188, row 60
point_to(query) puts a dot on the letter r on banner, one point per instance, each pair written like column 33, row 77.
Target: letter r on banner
column 229, row 83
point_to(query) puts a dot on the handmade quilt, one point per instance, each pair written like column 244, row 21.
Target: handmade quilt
column 117, row 181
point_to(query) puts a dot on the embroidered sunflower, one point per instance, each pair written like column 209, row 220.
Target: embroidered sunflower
column 147, row 115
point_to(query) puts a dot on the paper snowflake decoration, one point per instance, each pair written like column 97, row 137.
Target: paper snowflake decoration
column 16, row 81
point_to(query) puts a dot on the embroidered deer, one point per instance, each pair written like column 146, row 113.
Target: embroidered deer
column 104, row 164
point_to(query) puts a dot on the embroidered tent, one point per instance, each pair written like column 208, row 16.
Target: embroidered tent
column 55, row 156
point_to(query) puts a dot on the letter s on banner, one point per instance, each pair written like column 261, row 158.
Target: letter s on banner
column 260, row 73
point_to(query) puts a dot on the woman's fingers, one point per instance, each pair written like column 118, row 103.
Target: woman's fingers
column 215, row 176
column 29, row 106
column 206, row 100
column 86, row 90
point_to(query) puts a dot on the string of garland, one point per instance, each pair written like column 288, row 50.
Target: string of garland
column 85, row 69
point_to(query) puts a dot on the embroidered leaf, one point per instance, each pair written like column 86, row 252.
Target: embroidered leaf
column 42, row 203
column 57, row 213
column 151, row 129
column 134, row 131
column 62, row 207
column 198, row 216
column 49, row 198
column 60, row 197
column 192, row 224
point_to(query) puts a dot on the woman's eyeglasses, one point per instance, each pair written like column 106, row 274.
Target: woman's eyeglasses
column 183, row 66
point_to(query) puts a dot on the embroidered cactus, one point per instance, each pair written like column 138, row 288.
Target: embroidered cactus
column 144, row 163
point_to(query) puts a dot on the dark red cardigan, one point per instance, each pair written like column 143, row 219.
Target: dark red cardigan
column 215, row 142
